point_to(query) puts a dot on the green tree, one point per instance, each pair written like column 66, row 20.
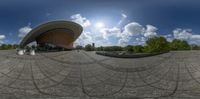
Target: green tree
column 15, row 46
column 157, row 44
column 138, row 49
column 194, row 47
column 100, row 48
column 177, row 44
column 129, row 48
column 79, row 47
column 4, row 46
column 88, row 47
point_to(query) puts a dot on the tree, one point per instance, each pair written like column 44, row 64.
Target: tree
column 99, row 48
column 138, row 49
column 177, row 44
column 15, row 46
column 194, row 47
column 79, row 47
column 88, row 47
column 157, row 44
column 129, row 48
column 3, row 46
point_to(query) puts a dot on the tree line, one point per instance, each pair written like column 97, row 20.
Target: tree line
column 155, row 44
column 8, row 46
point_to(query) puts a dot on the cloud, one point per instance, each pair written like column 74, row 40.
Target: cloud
column 2, row 37
column 133, row 28
column 150, row 31
column 186, row 34
column 169, row 37
column 136, row 33
column 183, row 34
column 131, row 33
column 140, row 41
column 130, row 30
column 78, row 18
column 195, row 37
column 107, row 32
column 23, row 31
column 123, row 17
column 85, row 38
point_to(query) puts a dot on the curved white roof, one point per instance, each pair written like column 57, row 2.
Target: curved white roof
column 33, row 34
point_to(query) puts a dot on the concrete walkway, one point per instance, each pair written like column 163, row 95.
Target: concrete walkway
column 85, row 75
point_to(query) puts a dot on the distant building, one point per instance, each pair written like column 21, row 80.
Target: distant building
column 93, row 45
column 59, row 33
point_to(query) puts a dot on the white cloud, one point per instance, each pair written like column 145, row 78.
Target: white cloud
column 107, row 32
column 130, row 30
column 85, row 38
column 183, row 34
column 140, row 40
column 23, row 31
column 2, row 37
column 78, row 18
column 123, row 17
column 195, row 37
column 131, row 33
column 186, row 34
column 169, row 37
column 133, row 28
column 150, row 31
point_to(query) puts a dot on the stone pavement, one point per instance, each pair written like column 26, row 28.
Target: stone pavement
column 85, row 75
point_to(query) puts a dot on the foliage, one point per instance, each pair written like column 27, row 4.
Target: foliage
column 89, row 47
column 8, row 46
column 195, row 47
column 113, row 48
column 79, row 47
column 177, row 44
column 110, row 48
column 99, row 48
column 157, row 44
column 138, row 49
column 129, row 48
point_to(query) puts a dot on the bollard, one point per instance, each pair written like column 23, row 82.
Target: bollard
column 20, row 52
column 32, row 52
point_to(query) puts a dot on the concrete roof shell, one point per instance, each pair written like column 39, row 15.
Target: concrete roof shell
column 43, row 28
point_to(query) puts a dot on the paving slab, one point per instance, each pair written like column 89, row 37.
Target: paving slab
column 86, row 75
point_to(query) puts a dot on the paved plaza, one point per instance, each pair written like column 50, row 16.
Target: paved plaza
column 86, row 75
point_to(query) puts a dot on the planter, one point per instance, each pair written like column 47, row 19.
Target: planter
column 125, row 55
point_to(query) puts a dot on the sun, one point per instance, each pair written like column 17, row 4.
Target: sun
column 99, row 25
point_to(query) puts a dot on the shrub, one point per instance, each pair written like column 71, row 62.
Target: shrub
column 177, row 44
column 88, row 47
column 138, row 49
column 157, row 44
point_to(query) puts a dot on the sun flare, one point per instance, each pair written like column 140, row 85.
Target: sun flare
column 99, row 25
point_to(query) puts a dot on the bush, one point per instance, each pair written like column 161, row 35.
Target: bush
column 8, row 46
column 138, row 49
column 194, row 47
column 129, row 48
column 79, row 47
column 89, row 47
column 157, row 44
column 177, row 44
